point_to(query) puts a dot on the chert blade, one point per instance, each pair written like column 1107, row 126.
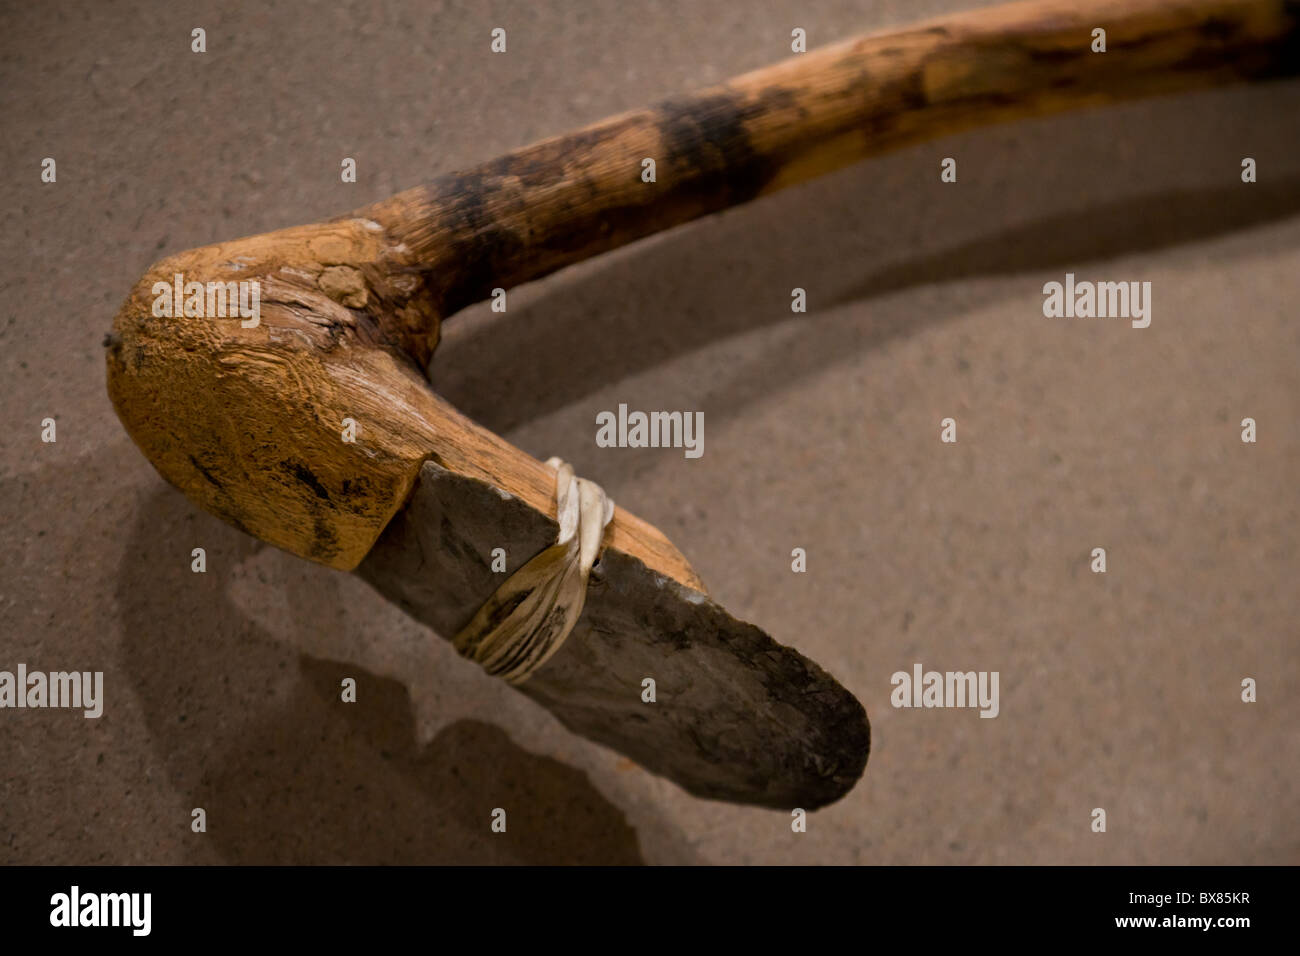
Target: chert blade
column 737, row 716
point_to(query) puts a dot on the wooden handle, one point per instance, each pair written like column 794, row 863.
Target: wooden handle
column 554, row 203
column 246, row 420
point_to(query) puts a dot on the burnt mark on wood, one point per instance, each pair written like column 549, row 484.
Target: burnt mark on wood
column 358, row 488
column 892, row 100
column 1282, row 59
column 708, row 146
column 211, row 478
column 479, row 247
column 306, row 476
column 1221, row 28
column 531, row 212
column 325, row 540
column 1055, row 56
column 358, row 494
column 1227, row 47
column 492, row 225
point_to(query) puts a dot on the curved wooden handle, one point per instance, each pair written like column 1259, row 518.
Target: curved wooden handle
column 554, row 203
column 246, row 419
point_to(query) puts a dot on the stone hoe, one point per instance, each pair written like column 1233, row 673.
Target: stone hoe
column 248, row 418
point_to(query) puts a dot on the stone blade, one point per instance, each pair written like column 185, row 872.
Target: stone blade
column 737, row 716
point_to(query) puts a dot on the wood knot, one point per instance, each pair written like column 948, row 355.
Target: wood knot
column 345, row 285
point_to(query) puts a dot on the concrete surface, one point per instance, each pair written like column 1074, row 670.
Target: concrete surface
column 1119, row 691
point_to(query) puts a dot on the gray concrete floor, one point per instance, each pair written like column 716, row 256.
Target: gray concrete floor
column 1118, row 691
